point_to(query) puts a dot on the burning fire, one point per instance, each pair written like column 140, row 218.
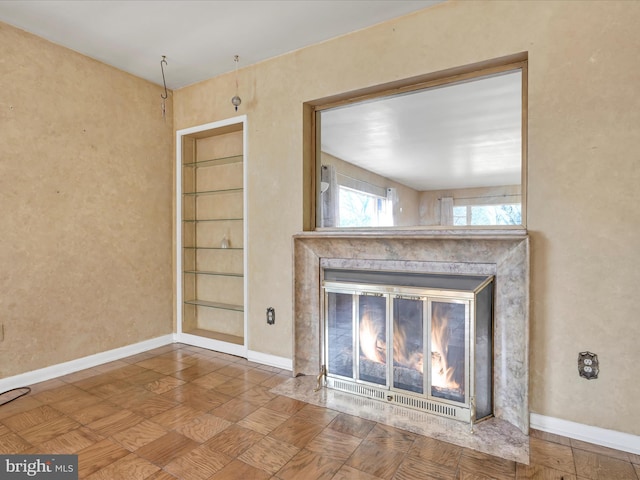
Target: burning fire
column 373, row 347
column 441, row 373
column 401, row 356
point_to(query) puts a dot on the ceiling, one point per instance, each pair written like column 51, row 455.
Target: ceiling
column 198, row 38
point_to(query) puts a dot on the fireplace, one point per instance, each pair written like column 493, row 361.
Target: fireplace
column 503, row 255
column 418, row 340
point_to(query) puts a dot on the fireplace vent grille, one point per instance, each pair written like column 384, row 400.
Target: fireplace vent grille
column 399, row 399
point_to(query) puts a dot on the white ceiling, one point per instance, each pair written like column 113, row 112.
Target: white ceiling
column 199, row 38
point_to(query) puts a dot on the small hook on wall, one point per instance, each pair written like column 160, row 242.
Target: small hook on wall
column 164, row 96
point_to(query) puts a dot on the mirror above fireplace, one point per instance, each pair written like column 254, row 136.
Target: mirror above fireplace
column 446, row 152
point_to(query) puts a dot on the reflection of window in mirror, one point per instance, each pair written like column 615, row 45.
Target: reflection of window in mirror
column 448, row 152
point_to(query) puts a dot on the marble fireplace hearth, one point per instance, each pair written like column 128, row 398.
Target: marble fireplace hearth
column 504, row 254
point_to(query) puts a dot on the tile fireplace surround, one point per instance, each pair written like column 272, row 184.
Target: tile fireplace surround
column 503, row 253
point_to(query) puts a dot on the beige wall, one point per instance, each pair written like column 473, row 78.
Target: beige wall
column 584, row 118
column 86, row 167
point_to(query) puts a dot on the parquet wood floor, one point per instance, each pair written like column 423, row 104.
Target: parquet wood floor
column 182, row 412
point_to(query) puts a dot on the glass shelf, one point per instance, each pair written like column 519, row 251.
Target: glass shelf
column 214, row 220
column 213, row 248
column 215, row 161
column 219, row 305
column 214, row 192
column 222, row 274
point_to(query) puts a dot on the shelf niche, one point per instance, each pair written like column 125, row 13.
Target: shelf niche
column 212, row 233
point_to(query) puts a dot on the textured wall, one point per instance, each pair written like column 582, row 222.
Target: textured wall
column 85, row 206
column 584, row 119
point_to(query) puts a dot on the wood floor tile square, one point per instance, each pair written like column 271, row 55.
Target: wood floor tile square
column 310, row 466
column 57, row 394
column 18, row 406
column 47, row 385
column 139, row 435
column 609, row 452
column 166, row 448
column 352, row 425
column 211, row 380
column 550, row 437
column 99, row 455
column 333, row 444
column 114, row 387
column 198, row 464
column 296, row 431
column 130, row 467
column 233, row 370
column 94, row 412
column 263, row 420
column 161, row 475
column 31, row 418
column 349, row 473
column 4, row 430
column 257, row 395
column 126, row 372
column 203, row 428
column 234, row 387
column 94, row 381
column 70, row 442
column 11, row 443
column 269, row 454
column 164, row 384
column 595, row 466
column 193, row 372
column 144, row 376
column 234, row 440
column 376, row 459
column 412, row 468
column 391, row 437
column 150, row 406
column 319, row 415
column 197, row 397
column 234, row 410
column 275, row 380
column 540, row 472
column 436, row 451
column 76, row 402
column 493, row 467
column 115, row 423
column 285, row 405
column 176, row 416
column 238, row 470
column 50, row 429
column 256, row 375
column 552, row 455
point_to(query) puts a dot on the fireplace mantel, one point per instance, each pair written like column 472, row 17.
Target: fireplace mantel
column 503, row 253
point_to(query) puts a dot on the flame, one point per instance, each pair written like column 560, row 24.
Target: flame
column 441, row 373
column 371, row 344
column 400, row 354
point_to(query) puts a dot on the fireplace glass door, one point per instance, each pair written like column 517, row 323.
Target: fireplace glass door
column 448, row 320
column 417, row 345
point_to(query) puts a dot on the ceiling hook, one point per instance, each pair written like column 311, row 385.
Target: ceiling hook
column 163, row 62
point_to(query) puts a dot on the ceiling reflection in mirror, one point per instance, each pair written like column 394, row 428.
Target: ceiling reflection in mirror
column 449, row 155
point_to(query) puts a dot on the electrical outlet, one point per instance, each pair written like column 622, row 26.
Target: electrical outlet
column 271, row 316
column 588, row 365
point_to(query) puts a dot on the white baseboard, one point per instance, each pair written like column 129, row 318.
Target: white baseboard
column 271, row 360
column 47, row 373
column 586, row 433
column 211, row 344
